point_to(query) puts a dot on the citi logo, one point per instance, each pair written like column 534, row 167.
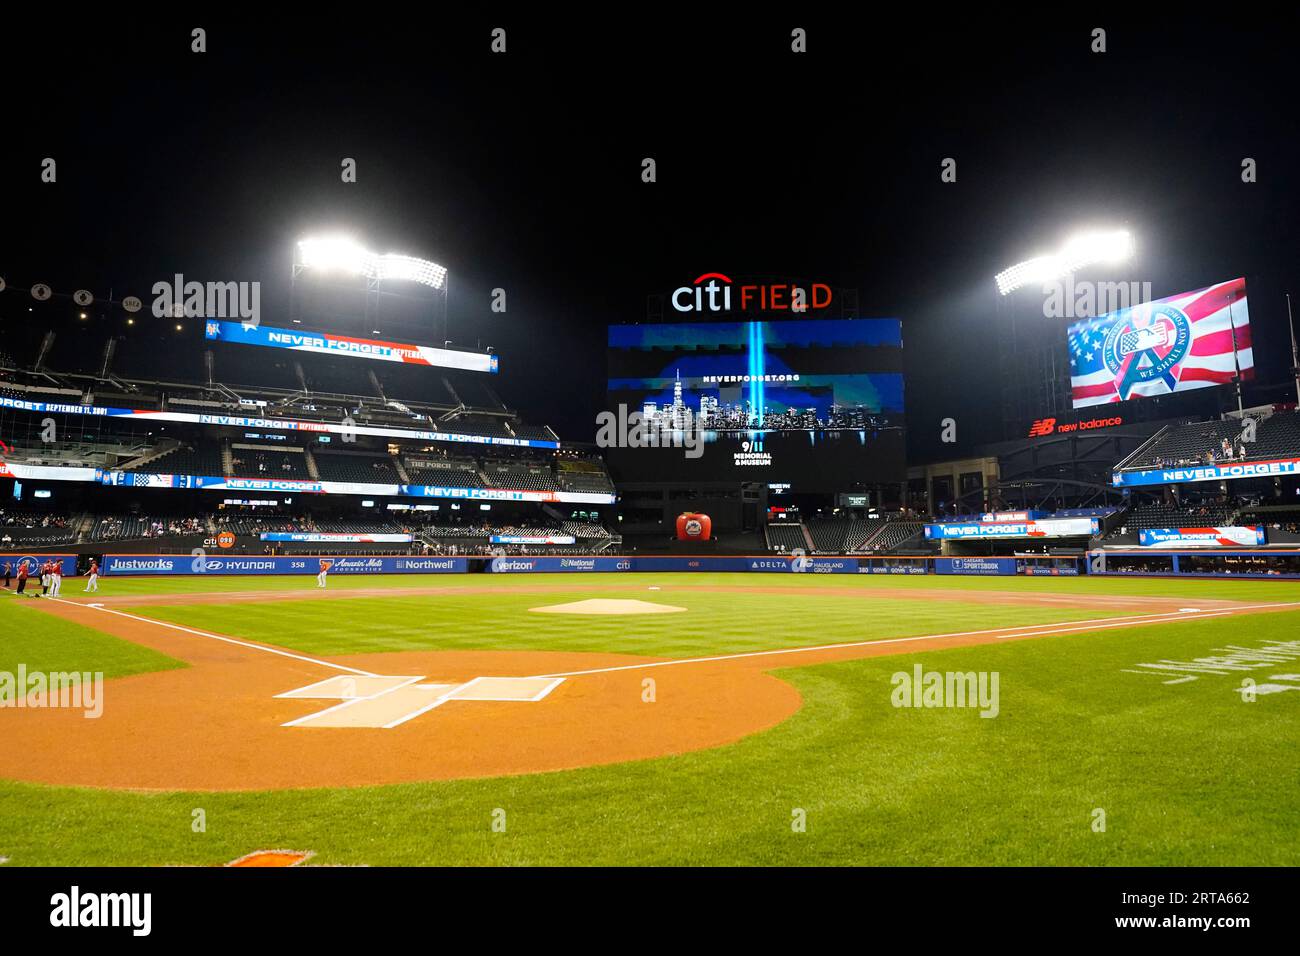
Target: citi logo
column 712, row 292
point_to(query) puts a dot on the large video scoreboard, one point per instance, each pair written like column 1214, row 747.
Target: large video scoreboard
column 812, row 402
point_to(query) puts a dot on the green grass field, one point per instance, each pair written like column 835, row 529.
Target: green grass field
column 1186, row 774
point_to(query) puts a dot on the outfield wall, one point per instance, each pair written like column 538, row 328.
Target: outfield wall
column 1267, row 563
column 170, row 565
column 1262, row 564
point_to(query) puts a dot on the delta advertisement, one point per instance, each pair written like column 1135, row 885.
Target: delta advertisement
column 1280, row 467
column 1250, row 537
column 184, row 564
column 1041, row 528
column 326, row 343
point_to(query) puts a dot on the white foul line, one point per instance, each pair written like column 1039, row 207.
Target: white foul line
column 1063, row 627
column 218, row 637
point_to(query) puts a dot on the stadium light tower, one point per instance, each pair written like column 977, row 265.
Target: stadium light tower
column 1083, row 249
column 341, row 254
column 342, row 263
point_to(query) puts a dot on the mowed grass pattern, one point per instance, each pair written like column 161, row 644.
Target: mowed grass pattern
column 714, row 623
column 1186, row 774
column 43, row 643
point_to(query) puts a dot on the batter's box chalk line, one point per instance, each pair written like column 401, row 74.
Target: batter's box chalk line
column 388, row 701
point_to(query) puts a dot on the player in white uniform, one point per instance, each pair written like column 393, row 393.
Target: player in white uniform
column 324, row 572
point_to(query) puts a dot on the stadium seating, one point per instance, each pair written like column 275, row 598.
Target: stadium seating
column 1201, row 443
column 200, row 459
column 369, row 469
column 786, row 537
column 828, row 535
column 892, row 535
column 247, row 523
column 519, row 476
column 33, row 529
column 132, row 526
column 1159, row 515
column 448, row 472
column 249, row 462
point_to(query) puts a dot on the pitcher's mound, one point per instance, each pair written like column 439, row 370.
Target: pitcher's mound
column 608, row 606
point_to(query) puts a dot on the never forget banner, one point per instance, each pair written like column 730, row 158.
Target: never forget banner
column 329, row 343
column 1235, row 536
column 1040, row 528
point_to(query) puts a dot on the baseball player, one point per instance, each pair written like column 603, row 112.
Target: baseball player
column 92, row 579
column 45, row 579
column 324, row 572
column 22, row 577
column 56, row 578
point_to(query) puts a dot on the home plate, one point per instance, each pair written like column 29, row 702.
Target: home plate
column 388, row 702
column 608, row 606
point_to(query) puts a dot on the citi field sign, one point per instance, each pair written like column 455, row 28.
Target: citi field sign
column 715, row 292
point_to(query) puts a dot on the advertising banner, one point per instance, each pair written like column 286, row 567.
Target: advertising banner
column 269, row 424
column 975, row 566
column 1042, row 528
column 1252, row 536
column 327, row 343
column 1224, row 471
column 336, row 537
column 68, row 562
column 135, row 479
column 184, row 564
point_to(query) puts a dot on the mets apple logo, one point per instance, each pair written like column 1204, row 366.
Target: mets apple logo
column 1147, row 344
column 693, row 527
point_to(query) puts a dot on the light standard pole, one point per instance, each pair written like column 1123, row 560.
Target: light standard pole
column 1295, row 357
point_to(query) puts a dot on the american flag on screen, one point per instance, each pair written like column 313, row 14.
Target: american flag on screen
column 1173, row 344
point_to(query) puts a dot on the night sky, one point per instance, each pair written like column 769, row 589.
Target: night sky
column 522, row 170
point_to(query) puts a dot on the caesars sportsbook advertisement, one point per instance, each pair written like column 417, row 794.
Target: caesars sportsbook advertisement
column 742, row 387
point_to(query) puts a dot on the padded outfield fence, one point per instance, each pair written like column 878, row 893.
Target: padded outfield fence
column 1203, row 563
column 173, row 565
column 1271, row 564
